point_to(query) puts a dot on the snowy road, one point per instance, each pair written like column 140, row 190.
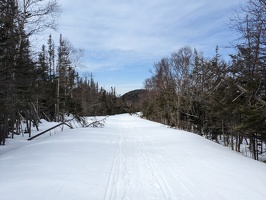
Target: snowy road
column 131, row 159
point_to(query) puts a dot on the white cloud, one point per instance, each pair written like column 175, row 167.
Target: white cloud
column 117, row 35
column 141, row 26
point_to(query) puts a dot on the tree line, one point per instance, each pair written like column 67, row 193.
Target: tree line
column 62, row 91
column 221, row 100
column 42, row 83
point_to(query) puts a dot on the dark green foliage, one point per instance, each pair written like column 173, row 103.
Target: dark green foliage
column 215, row 101
column 16, row 68
column 219, row 100
column 47, row 86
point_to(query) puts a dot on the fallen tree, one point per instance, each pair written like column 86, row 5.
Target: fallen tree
column 60, row 124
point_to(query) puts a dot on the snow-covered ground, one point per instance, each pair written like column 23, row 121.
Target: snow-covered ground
column 130, row 158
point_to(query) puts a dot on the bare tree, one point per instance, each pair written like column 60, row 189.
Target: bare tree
column 38, row 15
column 182, row 64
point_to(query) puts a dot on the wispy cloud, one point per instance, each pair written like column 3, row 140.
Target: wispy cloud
column 141, row 25
column 117, row 35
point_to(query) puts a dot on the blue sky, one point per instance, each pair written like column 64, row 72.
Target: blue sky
column 122, row 39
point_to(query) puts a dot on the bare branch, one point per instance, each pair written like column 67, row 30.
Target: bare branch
column 38, row 15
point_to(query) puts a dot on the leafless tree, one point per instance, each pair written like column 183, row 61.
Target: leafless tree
column 38, row 15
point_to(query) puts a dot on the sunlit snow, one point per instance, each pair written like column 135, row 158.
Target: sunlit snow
column 129, row 158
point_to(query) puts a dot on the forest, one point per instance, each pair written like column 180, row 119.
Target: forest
column 44, row 83
column 222, row 100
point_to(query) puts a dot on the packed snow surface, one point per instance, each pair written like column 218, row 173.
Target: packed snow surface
column 130, row 158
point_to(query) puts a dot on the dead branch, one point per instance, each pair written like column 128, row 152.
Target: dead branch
column 97, row 123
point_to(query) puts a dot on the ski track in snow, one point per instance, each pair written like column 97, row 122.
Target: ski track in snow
column 137, row 173
column 130, row 164
column 159, row 173
column 129, row 159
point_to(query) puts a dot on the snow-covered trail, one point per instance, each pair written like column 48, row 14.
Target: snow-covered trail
column 130, row 158
column 134, row 171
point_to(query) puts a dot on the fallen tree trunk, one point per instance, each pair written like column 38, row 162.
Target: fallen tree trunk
column 62, row 123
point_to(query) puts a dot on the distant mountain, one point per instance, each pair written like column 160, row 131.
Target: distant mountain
column 134, row 95
column 134, row 99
